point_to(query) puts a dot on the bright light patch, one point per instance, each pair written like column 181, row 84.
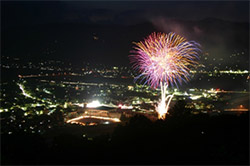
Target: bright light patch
column 195, row 97
column 94, row 104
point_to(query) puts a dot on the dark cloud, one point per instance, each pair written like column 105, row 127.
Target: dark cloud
column 168, row 25
column 188, row 29
column 131, row 17
column 101, row 15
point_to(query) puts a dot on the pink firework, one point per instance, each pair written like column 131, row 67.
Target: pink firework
column 164, row 58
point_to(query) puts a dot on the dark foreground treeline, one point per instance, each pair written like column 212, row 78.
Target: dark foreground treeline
column 180, row 139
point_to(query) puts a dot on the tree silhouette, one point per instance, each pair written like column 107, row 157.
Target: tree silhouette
column 57, row 117
column 179, row 109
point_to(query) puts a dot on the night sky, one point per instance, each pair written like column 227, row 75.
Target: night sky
column 30, row 27
column 18, row 13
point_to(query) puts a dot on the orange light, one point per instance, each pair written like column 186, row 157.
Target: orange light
column 75, row 120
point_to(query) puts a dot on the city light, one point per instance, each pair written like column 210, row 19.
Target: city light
column 193, row 97
column 125, row 107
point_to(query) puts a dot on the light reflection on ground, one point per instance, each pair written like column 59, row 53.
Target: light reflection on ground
column 92, row 120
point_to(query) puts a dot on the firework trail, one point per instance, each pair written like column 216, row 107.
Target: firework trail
column 163, row 60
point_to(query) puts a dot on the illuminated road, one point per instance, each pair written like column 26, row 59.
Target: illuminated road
column 24, row 92
column 29, row 96
column 237, row 109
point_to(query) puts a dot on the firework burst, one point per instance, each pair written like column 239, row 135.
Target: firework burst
column 163, row 60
